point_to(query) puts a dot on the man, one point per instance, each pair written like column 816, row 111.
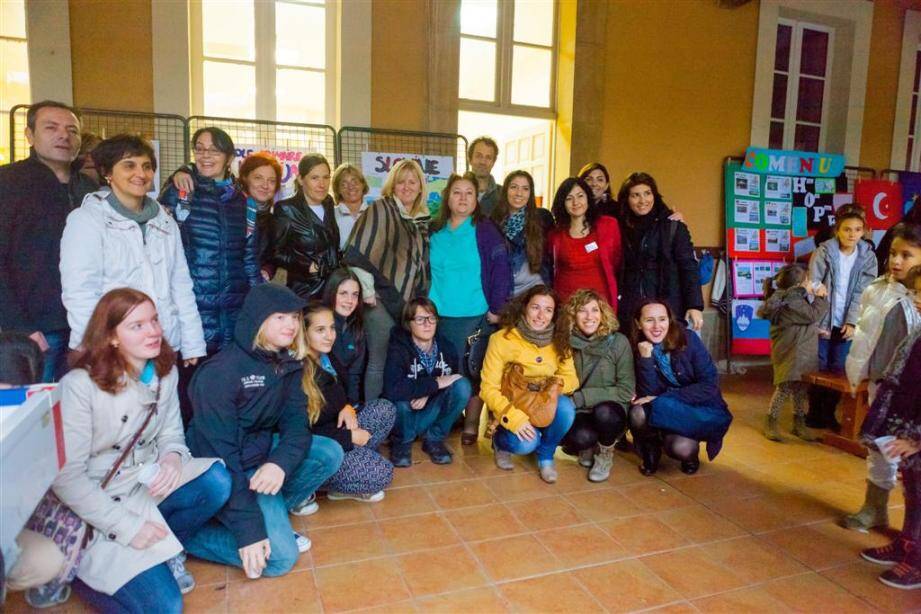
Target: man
column 481, row 157
column 36, row 195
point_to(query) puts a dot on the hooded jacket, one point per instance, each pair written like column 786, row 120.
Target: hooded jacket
column 405, row 378
column 241, row 397
column 333, row 389
column 351, row 351
column 794, row 334
column 823, row 267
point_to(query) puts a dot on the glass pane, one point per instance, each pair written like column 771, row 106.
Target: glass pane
column 531, row 76
column 809, row 100
column 477, row 70
column 534, row 22
column 806, row 138
column 230, row 90
column 478, row 17
column 779, row 99
column 13, row 18
column 775, row 140
column 300, row 96
column 14, row 74
column 814, row 55
column 227, row 29
column 300, row 35
column 782, row 51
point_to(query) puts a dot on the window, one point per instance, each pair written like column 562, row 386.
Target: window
column 14, row 67
column 801, row 79
column 913, row 149
column 255, row 59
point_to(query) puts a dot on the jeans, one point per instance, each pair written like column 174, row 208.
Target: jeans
column 215, row 542
column 434, row 421
column 56, row 355
column 833, row 352
column 548, row 437
column 185, row 511
column 377, row 326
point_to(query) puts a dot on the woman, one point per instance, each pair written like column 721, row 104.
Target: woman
column 423, row 379
column 585, row 246
column 525, row 227
column 121, row 237
column 123, row 390
column 389, row 249
column 305, row 238
column 260, row 174
column 659, row 257
column 349, row 190
column 251, row 412
column 343, row 296
column 364, row 474
column 471, row 278
column 596, row 176
column 679, row 402
column 529, row 337
column 604, row 364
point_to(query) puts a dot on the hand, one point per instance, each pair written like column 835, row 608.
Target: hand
column 526, row 432
column 821, row 291
column 150, row 533
column 824, row 334
column 268, row 479
column 371, row 300
column 348, row 418
column 167, row 479
column 902, row 448
column 183, row 182
column 676, row 217
column 847, row 331
column 446, row 380
column 492, row 318
column 39, row 338
column 643, row 400
column 419, row 403
column 254, row 557
column 696, row 318
column 645, row 349
column 190, row 362
column 360, row 437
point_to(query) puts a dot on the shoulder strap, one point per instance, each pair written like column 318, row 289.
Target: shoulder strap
column 151, row 410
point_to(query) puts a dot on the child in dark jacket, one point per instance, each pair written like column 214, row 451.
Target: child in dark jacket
column 794, row 307
column 343, row 295
column 422, row 378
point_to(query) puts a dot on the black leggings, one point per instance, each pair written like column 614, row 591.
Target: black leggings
column 604, row 423
column 677, row 446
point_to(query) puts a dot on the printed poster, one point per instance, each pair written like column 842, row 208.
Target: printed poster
column 825, row 186
column 747, row 240
column 763, row 270
column 743, row 278
column 777, row 213
column 287, row 158
column 747, row 211
column 777, row 241
column 747, row 184
column 778, row 187
column 376, row 165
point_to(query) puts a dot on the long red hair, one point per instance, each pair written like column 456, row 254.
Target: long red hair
column 103, row 361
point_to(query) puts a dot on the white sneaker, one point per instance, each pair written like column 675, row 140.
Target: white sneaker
column 307, row 507
column 303, row 542
column 363, row 497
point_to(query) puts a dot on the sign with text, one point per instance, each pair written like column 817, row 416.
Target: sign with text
column 376, row 166
column 797, row 163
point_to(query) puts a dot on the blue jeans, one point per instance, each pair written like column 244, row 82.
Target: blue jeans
column 55, row 355
column 215, row 542
column 548, row 437
column 833, row 352
column 434, row 421
column 185, row 511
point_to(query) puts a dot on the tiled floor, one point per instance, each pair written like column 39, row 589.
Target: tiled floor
column 754, row 531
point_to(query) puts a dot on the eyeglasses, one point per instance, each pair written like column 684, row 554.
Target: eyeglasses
column 420, row 320
column 210, row 151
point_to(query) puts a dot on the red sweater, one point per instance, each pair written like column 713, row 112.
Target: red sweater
column 606, row 235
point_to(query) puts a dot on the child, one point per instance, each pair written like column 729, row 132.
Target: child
column 887, row 316
column 845, row 265
column 794, row 309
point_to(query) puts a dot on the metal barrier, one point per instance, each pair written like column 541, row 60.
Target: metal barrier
column 354, row 140
column 291, row 140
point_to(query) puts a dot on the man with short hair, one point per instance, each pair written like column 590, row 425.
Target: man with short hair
column 36, row 195
column 481, row 157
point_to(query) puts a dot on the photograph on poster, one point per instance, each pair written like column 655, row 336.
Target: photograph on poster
column 747, row 184
column 743, row 279
column 747, row 211
column 747, row 240
column 762, row 270
column 777, row 241
column 777, row 213
column 778, row 188
column 825, row 186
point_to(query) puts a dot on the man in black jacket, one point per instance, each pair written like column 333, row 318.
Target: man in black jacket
column 36, row 195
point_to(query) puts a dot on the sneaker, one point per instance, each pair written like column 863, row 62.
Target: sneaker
column 438, row 452
column 401, row 454
column 303, row 542
column 503, row 458
column 547, row 471
column 307, row 507
column 890, row 554
column 904, row 576
column 48, row 595
column 373, row 497
column 587, row 457
column 183, row 578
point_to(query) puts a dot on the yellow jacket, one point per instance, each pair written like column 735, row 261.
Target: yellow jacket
column 507, row 346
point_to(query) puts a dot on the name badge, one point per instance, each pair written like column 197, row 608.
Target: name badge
column 590, row 247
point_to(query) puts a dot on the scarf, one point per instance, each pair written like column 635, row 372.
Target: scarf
column 664, row 364
column 327, row 365
column 540, row 338
column 149, row 210
column 428, row 359
column 514, row 224
column 252, row 210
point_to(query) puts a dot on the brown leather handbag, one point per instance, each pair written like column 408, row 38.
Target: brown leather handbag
column 535, row 396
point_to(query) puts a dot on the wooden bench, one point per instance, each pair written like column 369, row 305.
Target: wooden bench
column 853, row 407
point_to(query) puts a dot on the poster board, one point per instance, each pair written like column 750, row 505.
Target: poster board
column 437, row 169
column 287, row 158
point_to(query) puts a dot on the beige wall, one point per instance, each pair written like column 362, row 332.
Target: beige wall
column 399, row 64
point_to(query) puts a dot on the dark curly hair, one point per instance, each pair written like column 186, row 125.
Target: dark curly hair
column 516, row 308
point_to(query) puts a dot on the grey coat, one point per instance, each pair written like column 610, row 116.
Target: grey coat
column 605, row 369
column 823, row 267
column 794, row 334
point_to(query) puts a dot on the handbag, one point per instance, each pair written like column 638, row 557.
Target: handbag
column 53, row 519
column 535, row 396
column 475, row 350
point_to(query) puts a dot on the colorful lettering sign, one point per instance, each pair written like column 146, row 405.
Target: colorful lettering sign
column 376, row 165
column 797, row 163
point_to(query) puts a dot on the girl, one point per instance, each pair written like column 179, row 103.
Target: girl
column 679, row 402
column 887, row 316
column 794, row 307
column 604, row 363
column 531, row 339
column 343, row 295
column 124, row 384
column 364, row 474
column 250, row 411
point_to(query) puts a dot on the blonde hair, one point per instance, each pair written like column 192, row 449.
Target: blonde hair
column 315, row 399
column 339, row 175
column 579, row 299
column 298, row 347
column 396, row 171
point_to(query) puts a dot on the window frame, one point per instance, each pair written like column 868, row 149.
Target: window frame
column 901, row 130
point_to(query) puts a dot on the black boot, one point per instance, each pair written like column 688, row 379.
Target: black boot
column 815, row 418
column 650, row 452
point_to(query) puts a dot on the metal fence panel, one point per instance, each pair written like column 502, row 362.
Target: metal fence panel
column 278, row 137
column 354, row 140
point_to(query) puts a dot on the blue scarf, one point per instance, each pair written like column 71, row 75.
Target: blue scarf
column 428, row 359
column 514, row 224
column 327, row 365
column 252, row 210
column 664, row 364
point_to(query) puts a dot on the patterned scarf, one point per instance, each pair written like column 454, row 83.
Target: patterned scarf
column 514, row 224
column 540, row 338
column 664, row 364
column 252, row 210
column 428, row 359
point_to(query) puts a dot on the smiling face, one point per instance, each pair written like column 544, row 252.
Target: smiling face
column 654, row 322
column 462, row 199
column 321, row 332
column 348, row 295
column 597, row 182
column 640, row 199
column 139, row 336
column 407, row 188
column 261, row 183
column 279, row 330
column 538, row 313
column 131, row 178
column 519, row 192
column 576, row 202
column 351, row 189
column 315, row 184
column 902, row 257
column 588, row 318
column 210, row 161
column 56, row 138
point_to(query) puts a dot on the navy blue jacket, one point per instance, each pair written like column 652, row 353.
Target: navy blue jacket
column 334, row 394
column 405, row 378
column 351, row 352
column 240, row 398
column 223, row 261
column 694, row 369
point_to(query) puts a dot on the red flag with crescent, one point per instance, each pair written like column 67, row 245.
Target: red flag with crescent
column 882, row 201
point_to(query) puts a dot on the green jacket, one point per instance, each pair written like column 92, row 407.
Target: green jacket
column 605, row 369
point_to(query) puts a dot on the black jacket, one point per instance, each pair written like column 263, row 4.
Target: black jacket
column 304, row 245
column 33, row 210
column 240, row 398
column 351, row 351
column 659, row 262
column 405, row 378
column 334, row 394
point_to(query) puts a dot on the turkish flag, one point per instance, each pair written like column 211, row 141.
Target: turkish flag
column 882, row 201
